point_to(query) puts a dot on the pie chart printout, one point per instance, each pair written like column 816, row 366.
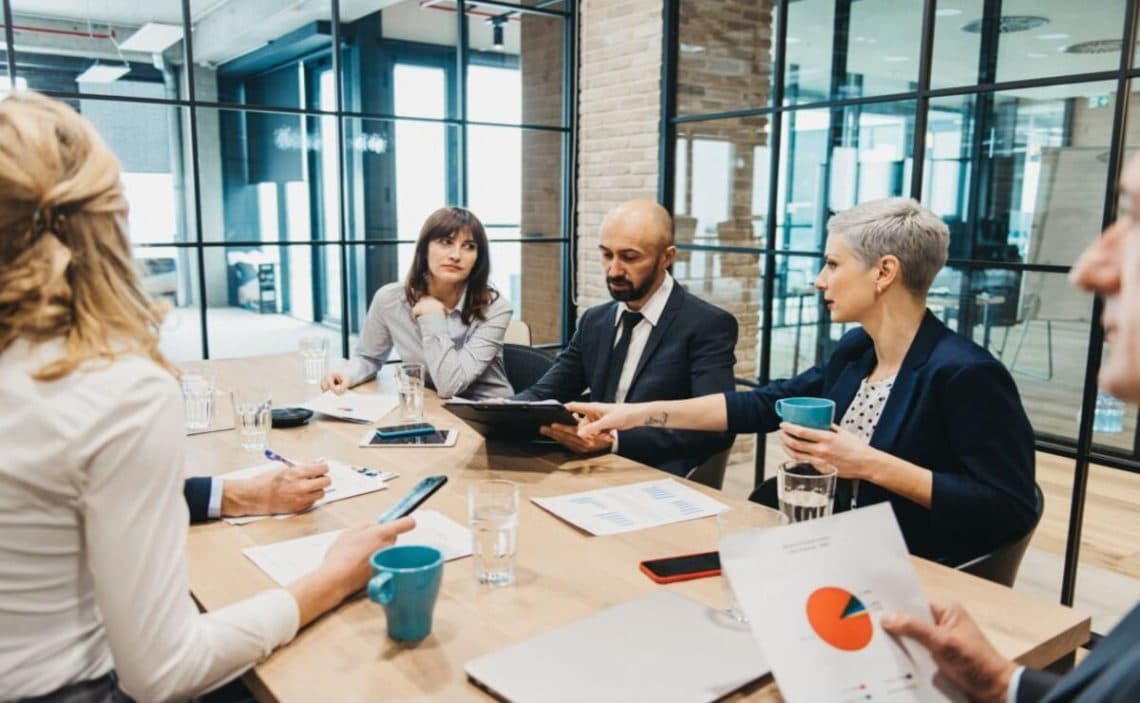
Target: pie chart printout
column 839, row 618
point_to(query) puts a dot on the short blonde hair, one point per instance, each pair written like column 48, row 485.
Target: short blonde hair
column 65, row 261
column 899, row 227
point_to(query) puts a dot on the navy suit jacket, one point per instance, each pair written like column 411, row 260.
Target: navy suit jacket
column 1110, row 673
column 196, row 491
column 689, row 353
column 953, row 409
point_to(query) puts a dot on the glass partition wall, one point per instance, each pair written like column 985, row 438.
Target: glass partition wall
column 280, row 157
column 1010, row 119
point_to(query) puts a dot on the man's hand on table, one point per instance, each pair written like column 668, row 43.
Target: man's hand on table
column 567, row 436
column 291, row 489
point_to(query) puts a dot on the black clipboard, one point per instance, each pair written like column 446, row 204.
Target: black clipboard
column 519, row 421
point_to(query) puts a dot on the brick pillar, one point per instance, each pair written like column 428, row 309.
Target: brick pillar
column 541, row 66
column 619, row 105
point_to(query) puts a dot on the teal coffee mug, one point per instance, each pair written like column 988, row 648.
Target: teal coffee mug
column 817, row 413
column 406, row 582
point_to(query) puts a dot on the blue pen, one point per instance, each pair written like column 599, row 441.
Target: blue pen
column 274, row 456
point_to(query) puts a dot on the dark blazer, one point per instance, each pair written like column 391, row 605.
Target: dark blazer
column 689, row 353
column 953, row 409
column 196, row 490
column 1110, row 673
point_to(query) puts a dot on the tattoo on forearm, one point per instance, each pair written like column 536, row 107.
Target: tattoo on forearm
column 657, row 420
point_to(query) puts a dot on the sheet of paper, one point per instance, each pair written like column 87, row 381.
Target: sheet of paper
column 609, row 511
column 285, row 562
column 813, row 593
column 347, row 481
column 353, row 406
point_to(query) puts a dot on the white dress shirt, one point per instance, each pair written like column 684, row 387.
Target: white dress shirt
column 93, row 526
column 651, row 313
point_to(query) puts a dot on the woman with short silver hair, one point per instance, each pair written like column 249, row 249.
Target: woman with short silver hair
column 927, row 420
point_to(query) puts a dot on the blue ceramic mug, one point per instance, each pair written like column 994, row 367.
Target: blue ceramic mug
column 406, row 582
column 817, row 413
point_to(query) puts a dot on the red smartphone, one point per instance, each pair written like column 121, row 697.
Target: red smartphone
column 682, row 568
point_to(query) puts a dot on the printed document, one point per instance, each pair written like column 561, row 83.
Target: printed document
column 348, row 481
column 353, row 406
column 285, row 562
column 814, row 592
column 609, row 511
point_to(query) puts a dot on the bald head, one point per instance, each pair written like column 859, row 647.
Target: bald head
column 636, row 241
column 646, row 218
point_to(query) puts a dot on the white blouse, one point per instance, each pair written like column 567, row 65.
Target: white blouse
column 93, row 526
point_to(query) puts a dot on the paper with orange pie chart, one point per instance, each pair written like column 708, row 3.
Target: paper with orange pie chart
column 814, row 592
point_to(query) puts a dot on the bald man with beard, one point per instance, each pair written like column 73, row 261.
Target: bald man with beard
column 653, row 341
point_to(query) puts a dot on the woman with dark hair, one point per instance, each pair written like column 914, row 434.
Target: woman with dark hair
column 444, row 315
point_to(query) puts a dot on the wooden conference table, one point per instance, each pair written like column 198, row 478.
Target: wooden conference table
column 562, row 574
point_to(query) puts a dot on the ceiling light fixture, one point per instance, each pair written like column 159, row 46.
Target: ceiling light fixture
column 152, row 38
column 103, row 73
column 1008, row 24
column 947, row 12
column 1053, row 37
column 497, row 32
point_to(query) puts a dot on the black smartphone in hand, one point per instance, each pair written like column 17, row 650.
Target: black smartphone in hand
column 415, row 497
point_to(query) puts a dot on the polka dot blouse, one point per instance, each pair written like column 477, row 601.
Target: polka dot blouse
column 863, row 414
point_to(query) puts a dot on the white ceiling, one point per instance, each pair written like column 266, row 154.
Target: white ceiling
column 226, row 29
column 885, row 37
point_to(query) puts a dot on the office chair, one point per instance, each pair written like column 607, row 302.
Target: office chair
column 518, row 332
column 1001, row 565
column 525, row 365
column 711, row 472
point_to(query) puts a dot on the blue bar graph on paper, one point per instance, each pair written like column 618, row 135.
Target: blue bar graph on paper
column 684, row 507
column 658, row 493
column 616, row 518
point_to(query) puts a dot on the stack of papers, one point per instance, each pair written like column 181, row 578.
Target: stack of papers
column 348, row 481
column 285, row 562
column 353, row 406
column 609, row 511
column 813, row 593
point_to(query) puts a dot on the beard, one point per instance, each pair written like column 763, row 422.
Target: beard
column 630, row 291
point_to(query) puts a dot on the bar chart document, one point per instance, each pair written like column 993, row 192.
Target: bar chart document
column 609, row 511
column 813, row 593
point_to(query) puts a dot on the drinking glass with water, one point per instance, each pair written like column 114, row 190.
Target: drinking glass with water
column 314, row 354
column 493, row 514
column 805, row 491
column 252, row 408
column 734, row 522
column 411, row 377
column 198, row 401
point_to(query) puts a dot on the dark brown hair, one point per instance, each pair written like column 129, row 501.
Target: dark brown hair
column 446, row 222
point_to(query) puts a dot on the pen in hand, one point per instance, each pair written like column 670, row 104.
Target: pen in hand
column 274, row 456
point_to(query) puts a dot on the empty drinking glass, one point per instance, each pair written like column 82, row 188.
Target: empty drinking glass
column 197, row 401
column 493, row 515
column 411, row 378
column 314, row 353
column 805, row 492
column 731, row 522
column 252, row 408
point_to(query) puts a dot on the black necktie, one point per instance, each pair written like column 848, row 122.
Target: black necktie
column 629, row 320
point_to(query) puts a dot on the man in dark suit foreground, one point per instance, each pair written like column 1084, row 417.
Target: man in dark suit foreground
column 654, row 341
column 1110, row 268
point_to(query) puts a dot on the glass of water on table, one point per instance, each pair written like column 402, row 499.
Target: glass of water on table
column 805, row 491
column 411, row 379
column 493, row 515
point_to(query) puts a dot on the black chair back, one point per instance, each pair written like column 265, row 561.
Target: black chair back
column 711, row 472
column 525, row 365
column 1001, row 565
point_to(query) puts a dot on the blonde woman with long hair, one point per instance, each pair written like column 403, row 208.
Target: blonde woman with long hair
column 94, row 593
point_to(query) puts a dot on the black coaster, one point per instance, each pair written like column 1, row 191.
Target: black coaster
column 291, row 417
